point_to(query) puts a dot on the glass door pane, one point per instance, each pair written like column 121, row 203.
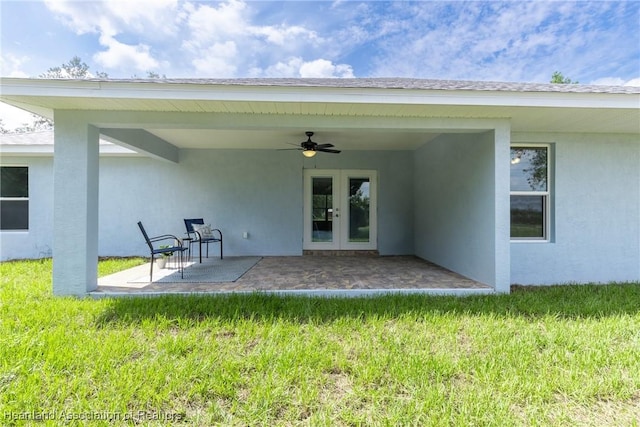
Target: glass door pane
column 322, row 209
column 339, row 210
column 359, row 206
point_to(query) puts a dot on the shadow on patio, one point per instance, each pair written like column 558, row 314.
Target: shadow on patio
column 321, row 275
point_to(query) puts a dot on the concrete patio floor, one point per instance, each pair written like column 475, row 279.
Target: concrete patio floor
column 308, row 275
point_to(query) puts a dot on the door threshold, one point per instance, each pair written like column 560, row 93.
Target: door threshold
column 344, row 252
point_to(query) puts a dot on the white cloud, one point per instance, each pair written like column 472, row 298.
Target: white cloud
column 297, row 67
column 224, row 41
column 145, row 17
column 290, row 68
column 616, row 81
column 80, row 17
column 216, row 35
column 511, row 41
column 280, row 35
column 208, row 24
column 609, row 81
column 152, row 20
column 120, row 55
column 220, row 40
column 218, row 60
column 157, row 17
column 10, row 65
column 322, row 68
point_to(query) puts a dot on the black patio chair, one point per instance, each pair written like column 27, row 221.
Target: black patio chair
column 195, row 236
column 175, row 246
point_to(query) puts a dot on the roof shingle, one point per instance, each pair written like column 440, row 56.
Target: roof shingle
column 395, row 83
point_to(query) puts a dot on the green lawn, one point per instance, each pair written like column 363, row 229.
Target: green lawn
column 557, row 356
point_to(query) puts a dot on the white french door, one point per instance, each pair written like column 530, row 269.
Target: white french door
column 340, row 209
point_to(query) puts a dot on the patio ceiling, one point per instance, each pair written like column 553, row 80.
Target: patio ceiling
column 361, row 139
column 284, row 110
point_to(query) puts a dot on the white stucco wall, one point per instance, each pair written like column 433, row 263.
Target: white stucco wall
column 434, row 202
column 395, row 192
column 250, row 191
column 37, row 242
column 455, row 204
column 257, row 191
column 75, row 205
column 595, row 214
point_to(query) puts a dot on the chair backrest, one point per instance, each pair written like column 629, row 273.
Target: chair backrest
column 146, row 237
column 189, row 223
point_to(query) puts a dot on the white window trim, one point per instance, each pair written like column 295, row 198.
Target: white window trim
column 27, row 199
column 546, row 230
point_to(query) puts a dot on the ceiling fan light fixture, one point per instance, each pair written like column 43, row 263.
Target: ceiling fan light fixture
column 310, row 148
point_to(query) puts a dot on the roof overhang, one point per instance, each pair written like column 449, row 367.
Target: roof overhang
column 41, row 144
column 282, row 108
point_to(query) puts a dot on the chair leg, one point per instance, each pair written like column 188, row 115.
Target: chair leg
column 221, row 256
column 151, row 272
column 200, row 252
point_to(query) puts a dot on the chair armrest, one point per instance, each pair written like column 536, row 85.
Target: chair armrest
column 162, row 237
column 166, row 237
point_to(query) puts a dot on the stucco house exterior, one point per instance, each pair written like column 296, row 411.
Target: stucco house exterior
column 501, row 182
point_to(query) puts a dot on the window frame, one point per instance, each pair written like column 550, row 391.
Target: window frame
column 546, row 197
column 21, row 199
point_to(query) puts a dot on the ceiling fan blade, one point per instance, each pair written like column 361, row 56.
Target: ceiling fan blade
column 309, row 146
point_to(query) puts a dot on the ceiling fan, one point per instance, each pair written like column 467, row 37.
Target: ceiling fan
column 310, row 148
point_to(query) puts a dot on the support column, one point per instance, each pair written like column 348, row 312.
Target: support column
column 502, row 208
column 75, row 205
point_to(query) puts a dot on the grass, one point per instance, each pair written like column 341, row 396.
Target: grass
column 557, row 356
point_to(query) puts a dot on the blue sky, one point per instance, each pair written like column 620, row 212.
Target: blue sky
column 594, row 42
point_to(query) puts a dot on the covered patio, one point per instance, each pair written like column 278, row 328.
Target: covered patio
column 436, row 156
column 354, row 275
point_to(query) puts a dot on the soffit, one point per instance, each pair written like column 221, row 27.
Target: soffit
column 523, row 118
column 552, row 111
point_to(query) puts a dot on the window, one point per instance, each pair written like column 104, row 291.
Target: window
column 530, row 192
column 14, row 198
